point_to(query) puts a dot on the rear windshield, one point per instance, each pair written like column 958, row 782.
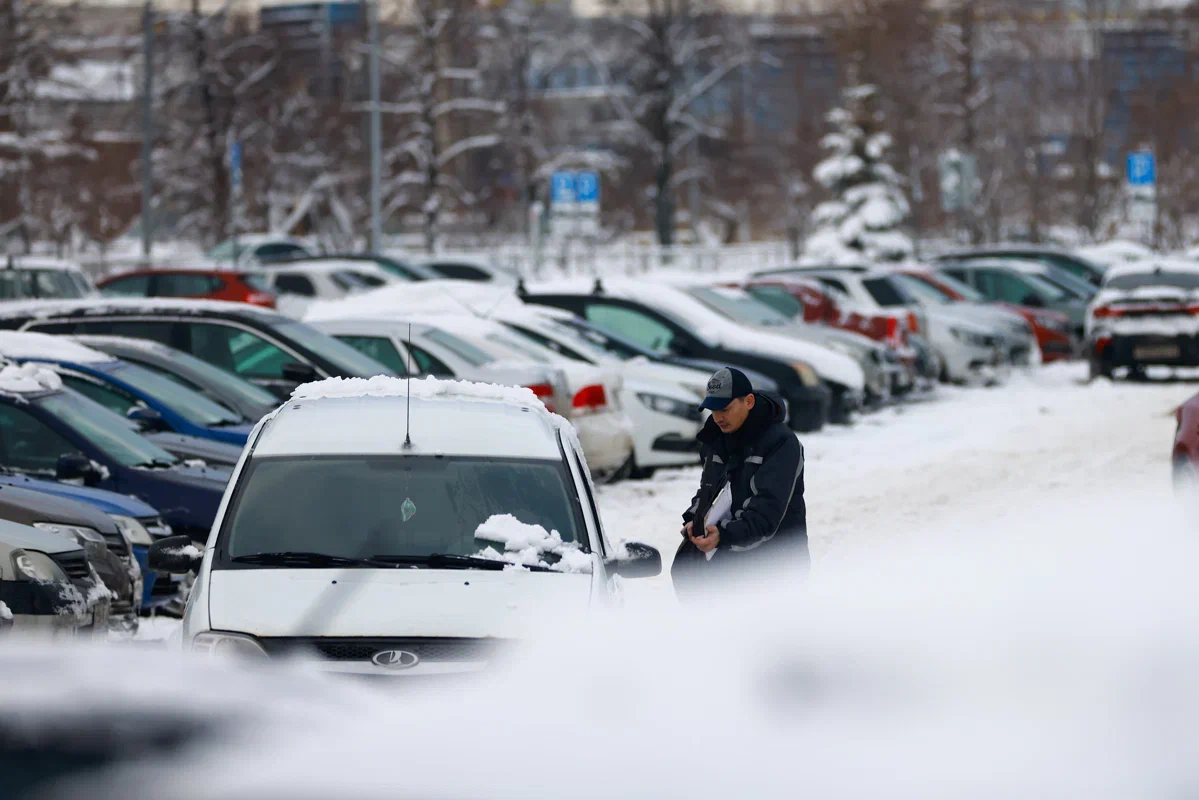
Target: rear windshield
column 1140, row 280
column 369, row 506
column 885, row 292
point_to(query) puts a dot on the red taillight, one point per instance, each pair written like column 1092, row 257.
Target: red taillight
column 1106, row 312
column 1193, row 309
column 913, row 322
column 545, row 393
column 590, row 398
column 264, row 299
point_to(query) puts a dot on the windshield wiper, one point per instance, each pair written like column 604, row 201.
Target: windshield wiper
column 450, row 561
column 305, row 559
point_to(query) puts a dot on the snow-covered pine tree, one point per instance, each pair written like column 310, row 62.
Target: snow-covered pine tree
column 863, row 220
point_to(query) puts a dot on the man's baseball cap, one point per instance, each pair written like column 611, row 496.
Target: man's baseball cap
column 724, row 386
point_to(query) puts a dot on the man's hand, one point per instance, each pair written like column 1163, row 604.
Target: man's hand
column 708, row 542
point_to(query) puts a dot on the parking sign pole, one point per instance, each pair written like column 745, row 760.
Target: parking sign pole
column 147, row 129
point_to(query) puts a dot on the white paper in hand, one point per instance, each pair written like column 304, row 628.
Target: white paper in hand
column 722, row 509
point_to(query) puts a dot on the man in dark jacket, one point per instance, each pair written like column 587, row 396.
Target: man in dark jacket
column 752, row 456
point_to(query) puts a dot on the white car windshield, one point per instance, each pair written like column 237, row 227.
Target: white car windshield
column 380, row 506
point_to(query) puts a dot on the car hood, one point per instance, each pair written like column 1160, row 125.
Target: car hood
column 27, row 538
column 193, row 447
column 387, row 603
column 102, row 499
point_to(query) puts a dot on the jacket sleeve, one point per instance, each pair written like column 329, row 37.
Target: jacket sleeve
column 689, row 514
column 771, row 488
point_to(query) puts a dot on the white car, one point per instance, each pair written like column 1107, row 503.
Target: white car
column 968, row 351
column 662, row 401
column 386, row 547
column 41, row 278
column 298, row 284
column 481, row 349
column 251, row 249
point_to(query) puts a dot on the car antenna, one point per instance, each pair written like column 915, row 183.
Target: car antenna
column 408, row 412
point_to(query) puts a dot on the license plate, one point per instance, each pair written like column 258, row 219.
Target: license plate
column 1150, row 351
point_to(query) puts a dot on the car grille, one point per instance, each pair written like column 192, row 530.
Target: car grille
column 361, row 649
column 116, row 544
column 74, row 564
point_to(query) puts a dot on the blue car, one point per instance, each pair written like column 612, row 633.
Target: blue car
column 49, row 431
column 140, row 523
column 156, row 401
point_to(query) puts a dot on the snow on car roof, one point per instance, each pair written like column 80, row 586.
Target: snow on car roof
column 1152, row 265
column 19, row 344
column 367, row 416
column 41, row 262
column 319, row 266
column 21, row 379
column 428, row 297
column 39, row 309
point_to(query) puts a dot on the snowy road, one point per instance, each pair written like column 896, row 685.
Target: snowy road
column 970, row 457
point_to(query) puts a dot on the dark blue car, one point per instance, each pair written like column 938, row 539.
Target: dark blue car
column 146, row 395
column 139, row 522
column 52, row 432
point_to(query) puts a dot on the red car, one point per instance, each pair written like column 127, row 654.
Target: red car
column 207, row 284
column 1052, row 328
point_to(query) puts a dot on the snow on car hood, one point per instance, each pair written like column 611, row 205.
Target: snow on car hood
column 385, row 602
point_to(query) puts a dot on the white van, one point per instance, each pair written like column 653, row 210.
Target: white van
column 340, row 537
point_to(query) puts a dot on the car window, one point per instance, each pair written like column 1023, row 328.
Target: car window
column 28, row 444
column 460, row 347
column 107, row 432
column 835, row 283
column 256, row 281
column 56, row 284
column 1003, row 286
column 548, row 343
column 429, row 364
column 192, row 406
column 923, row 291
column 634, row 325
column 590, row 501
column 738, row 305
column 885, row 293
column 967, row 278
column 344, row 358
column 366, row 279
column 133, row 286
column 109, row 396
column 464, row 272
column 295, row 284
column 393, row 505
column 1141, row 280
column 958, row 285
column 212, row 378
column 63, row 327
column 184, row 285
column 779, row 299
column 379, row 348
column 15, row 285
column 279, row 251
column 242, row 352
column 161, row 332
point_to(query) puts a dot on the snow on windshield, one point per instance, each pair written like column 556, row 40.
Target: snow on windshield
column 527, row 545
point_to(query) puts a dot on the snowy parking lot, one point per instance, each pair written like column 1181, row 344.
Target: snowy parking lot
column 1046, row 444
column 968, row 458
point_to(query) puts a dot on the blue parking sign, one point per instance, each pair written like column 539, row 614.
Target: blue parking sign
column 1142, row 169
column 587, row 187
column 562, row 188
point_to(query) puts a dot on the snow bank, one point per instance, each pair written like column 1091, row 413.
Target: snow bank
column 28, row 379
column 526, row 545
column 18, row 344
column 423, row 389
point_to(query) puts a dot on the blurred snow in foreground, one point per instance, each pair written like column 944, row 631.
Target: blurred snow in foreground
column 1056, row 659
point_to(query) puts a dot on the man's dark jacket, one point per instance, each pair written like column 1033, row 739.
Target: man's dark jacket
column 764, row 465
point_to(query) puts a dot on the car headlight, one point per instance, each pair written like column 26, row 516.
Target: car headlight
column 807, row 375
column 969, row 337
column 34, row 566
column 669, row 405
column 133, row 531
column 220, row 644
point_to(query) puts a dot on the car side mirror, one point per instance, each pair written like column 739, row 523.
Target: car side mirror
column 147, row 418
column 639, row 561
column 296, row 372
column 1032, row 301
column 74, row 467
column 176, row 555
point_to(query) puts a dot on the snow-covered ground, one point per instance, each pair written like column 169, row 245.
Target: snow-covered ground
column 967, row 458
